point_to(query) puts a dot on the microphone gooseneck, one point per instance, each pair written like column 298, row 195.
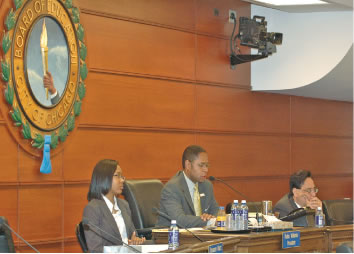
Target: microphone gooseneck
column 2, row 222
column 155, row 210
column 87, row 222
column 212, row 178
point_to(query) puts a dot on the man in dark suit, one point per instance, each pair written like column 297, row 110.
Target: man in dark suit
column 189, row 197
column 302, row 194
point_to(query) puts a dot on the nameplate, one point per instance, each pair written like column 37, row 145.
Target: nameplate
column 291, row 239
column 216, row 248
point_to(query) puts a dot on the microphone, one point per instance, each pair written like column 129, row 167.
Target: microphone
column 3, row 222
column 87, row 222
column 212, row 178
column 155, row 210
column 297, row 213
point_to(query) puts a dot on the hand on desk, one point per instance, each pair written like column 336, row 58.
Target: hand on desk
column 206, row 217
column 136, row 240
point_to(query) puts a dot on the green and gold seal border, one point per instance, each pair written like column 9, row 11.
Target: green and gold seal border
column 31, row 131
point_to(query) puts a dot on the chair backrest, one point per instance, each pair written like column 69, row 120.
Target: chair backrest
column 142, row 196
column 346, row 247
column 253, row 207
column 81, row 237
column 6, row 241
column 338, row 212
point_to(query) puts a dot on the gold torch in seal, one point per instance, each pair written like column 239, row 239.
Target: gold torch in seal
column 44, row 51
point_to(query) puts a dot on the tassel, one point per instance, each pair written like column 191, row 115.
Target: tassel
column 46, row 167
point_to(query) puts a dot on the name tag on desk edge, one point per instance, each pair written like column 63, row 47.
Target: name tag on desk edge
column 216, row 248
column 291, row 239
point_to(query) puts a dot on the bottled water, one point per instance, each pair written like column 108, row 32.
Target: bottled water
column 221, row 218
column 173, row 236
column 244, row 216
column 234, row 225
column 238, row 217
column 319, row 218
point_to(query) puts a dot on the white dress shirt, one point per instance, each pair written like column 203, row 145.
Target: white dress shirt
column 118, row 218
column 191, row 185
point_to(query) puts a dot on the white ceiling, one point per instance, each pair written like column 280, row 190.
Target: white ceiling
column 337, row 84
column 333, row 5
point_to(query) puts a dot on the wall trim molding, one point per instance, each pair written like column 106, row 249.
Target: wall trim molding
column 166, row 78
column 165, row 179
column 206, row 131
column 150, row 23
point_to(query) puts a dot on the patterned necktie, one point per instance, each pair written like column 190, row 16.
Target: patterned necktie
column 196, row 201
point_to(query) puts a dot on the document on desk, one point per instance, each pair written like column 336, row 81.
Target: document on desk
column 181, row 230
column 141, row 248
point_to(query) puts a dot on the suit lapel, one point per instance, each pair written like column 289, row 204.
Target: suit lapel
column 126, row 218
column 184, row 187
column 111, row 222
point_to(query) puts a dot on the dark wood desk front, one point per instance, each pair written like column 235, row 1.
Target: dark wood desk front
column 311, row 239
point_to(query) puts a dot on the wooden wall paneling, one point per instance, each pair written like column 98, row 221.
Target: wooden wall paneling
column 243, row 155
column 138, row 48
column 321, row 117
column 322, row 156
column 255, row 188
column 334, row 187
column 75, row 199
column 178, row 14
column 116, row 100
column 41, row 213
column 8, row 156
column 209, row 23
column 9, row 205
column 228, row 109
column 29, row 168
column 213, row 63
column 72, row 245
column 44, row 247
column 142, row 154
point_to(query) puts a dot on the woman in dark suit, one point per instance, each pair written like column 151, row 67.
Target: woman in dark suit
column 106, row 211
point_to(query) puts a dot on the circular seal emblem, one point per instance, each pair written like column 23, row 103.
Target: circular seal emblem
column 44, row 69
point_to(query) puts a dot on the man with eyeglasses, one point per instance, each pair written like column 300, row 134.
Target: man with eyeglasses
column 302, row 194
column 188, row 197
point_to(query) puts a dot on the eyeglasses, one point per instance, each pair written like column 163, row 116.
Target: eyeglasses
column 119, row 175
column 309, row 190
column 205, row 164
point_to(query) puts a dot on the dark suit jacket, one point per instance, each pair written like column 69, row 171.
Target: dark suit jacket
column 286, row 205
column 97, row 213
column 177, row 203
column 55, row 99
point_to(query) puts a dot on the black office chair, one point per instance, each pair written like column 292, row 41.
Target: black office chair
column 345, row 248
column 338, row 212
column 6, row 241
column 142, row 196
column 81, row 237
column 253, row 207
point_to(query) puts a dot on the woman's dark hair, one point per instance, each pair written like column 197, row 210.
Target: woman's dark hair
column 101, row 180
column 297, row 180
